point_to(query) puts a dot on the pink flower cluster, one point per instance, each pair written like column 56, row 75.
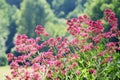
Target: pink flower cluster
column 24, row 44
column 110, row 17
column 40, row 31
column 37, row 64
column 89, row 34
column 63, row 56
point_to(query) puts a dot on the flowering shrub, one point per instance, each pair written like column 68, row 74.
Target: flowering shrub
column 89, row 55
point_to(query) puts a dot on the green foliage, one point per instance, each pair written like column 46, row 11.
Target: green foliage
column 79, row 8
column 93, row 8
column 57, row 28
column 76, row 12
column 3, row 60
column 6, row 12
column 4, row 22
column 14, row 2
column 67, row 8
column 113, row 68
column 31, row 14
column 63, row 7
column 57, row 7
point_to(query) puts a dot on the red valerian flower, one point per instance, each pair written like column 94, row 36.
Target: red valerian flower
column 40, row 30
column 92, row 71
column 10, row 56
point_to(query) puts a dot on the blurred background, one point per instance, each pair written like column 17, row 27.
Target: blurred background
column 22, row 16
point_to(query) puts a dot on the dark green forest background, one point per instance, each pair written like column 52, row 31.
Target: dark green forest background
column 21, row 17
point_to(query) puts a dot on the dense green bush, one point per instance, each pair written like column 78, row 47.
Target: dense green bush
column 3, row 60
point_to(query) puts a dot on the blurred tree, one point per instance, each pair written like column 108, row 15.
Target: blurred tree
column 116, row 4
column 12, row 30
column 4, row 22
column 14, row 2
column 93, row 9
column 6, row 13
column 50, row 2
column 31, row 14
column 79, row 9
column 63, row 7
column 57, row 28
column 3, row 60
column 67, row 8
